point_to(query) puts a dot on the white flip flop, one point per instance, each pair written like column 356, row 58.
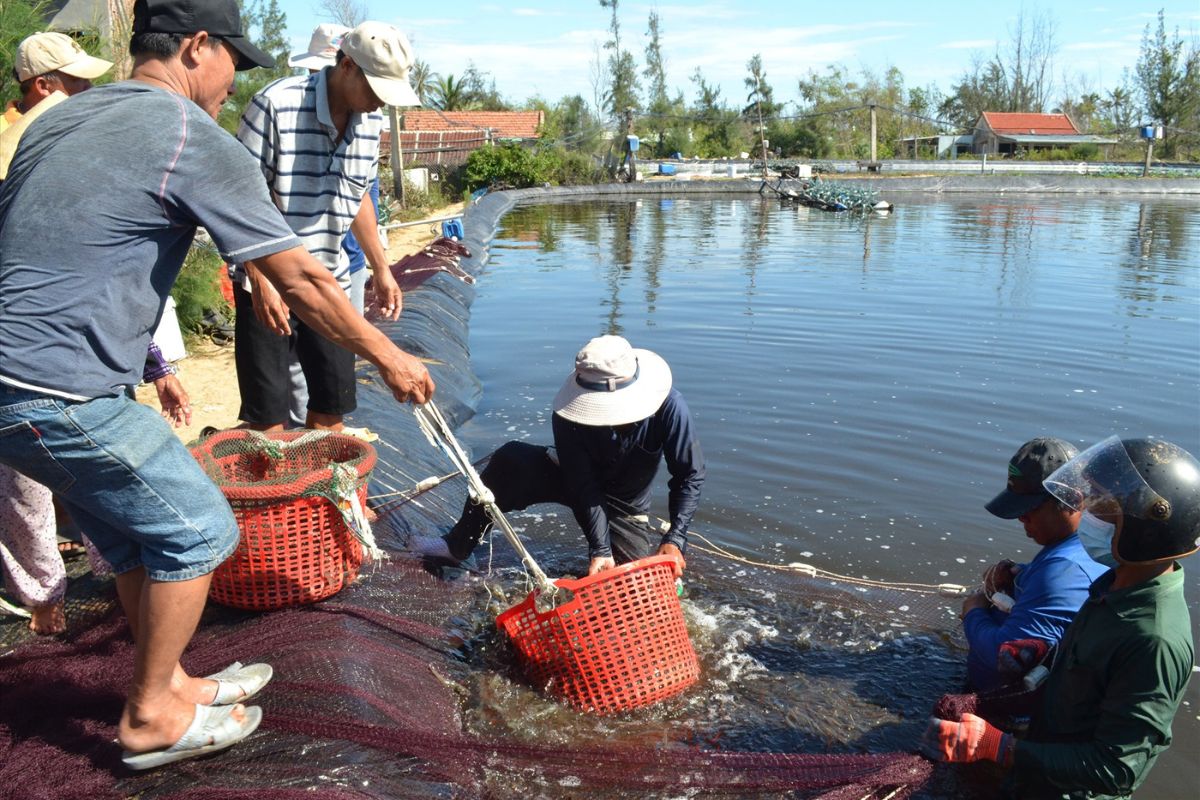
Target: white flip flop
column 212, row 729
column 237, row 683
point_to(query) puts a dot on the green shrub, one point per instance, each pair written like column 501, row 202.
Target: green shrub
column 506, row 165
column 197, row 290
column 573, row 169
column 1084, row 152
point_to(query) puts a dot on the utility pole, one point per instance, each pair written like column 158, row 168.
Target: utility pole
column 397, row 156
column 874, row 128
column 1149, row 152
column 629, row 157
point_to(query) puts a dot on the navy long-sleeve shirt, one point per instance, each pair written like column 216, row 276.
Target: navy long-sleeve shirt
column 609, row 470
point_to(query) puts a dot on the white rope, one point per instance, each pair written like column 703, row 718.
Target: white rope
column 437, row 430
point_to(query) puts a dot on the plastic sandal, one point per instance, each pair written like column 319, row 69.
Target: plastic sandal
column 212, row 729
column 237, row 683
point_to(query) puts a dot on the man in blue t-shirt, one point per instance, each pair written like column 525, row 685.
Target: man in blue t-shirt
column 1046, row 592
column 89, row 249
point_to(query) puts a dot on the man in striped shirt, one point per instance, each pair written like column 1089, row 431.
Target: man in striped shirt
column 316, row 138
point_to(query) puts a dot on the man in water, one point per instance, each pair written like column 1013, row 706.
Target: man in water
column 615, row 419
column 1123, row 665
column 1049, row 589
column 84, row 279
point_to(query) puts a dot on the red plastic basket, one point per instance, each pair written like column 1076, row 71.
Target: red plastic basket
column 619, row 643
column 294, row 548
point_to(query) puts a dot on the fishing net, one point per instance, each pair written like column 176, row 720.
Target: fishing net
column 400, row 685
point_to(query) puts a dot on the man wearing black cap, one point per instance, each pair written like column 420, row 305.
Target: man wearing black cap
column 1048, row 590
column 89, row 249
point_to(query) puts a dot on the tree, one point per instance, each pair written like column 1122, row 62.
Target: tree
column 761, row 96
column 1168, row 77
column 1119, row 106
column 480, row 89
column 271, row 24
column 1017, row 78
column 18, row 19
column 423, row 80
column 623, row 91
column 449, row 94
column 598, row 78
column 265, row 24
column 718, row 130
column 667, row 132
column 350, row 13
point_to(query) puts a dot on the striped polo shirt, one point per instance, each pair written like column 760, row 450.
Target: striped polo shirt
column 316, row 180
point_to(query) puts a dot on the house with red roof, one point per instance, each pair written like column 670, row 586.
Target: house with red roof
column 1003, row 133
column 429, row 137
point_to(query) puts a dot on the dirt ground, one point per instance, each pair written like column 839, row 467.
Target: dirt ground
column 208, row 373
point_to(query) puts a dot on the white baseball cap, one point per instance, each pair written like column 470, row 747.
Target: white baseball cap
column 322, row 48
column 385, row 57
column 40, row 53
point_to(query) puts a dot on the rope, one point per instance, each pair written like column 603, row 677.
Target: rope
column 808, row 570
column 438, row 431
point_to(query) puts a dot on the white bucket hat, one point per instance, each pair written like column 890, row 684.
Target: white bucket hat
column 613, row 384
column 322, row 48
column 385, row 57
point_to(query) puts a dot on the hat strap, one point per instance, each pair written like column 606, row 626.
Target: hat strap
column 611, row 384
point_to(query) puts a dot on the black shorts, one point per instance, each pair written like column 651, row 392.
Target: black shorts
column 262, row 359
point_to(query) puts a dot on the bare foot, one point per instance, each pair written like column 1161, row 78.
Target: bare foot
column 145, row 734
column 48, row 620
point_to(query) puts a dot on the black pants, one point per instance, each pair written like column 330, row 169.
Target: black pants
column 521, row 475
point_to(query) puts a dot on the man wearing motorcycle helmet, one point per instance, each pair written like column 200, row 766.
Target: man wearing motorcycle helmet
column 1124, row 663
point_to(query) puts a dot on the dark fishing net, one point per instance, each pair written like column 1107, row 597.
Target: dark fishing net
column 401, row 686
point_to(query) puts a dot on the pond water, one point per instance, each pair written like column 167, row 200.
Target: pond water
column 858, row 386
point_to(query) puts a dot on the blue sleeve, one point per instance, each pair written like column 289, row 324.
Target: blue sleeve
column 1048, row 594
column 685, row 463
column 583, row 485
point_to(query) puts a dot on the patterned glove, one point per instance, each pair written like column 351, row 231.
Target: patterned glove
column 972, row 739
column 1021, row 655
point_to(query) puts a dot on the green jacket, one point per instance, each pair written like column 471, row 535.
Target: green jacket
column 1116, row 683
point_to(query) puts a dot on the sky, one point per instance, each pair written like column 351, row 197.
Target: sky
column 546, row 48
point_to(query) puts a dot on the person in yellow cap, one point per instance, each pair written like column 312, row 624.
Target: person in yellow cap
column 50, row 67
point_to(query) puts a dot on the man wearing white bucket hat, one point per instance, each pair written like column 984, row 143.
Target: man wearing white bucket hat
column 317, row 141
column 615, row 419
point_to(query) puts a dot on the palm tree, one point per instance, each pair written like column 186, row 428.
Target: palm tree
column 424, row 80
column 449, row 94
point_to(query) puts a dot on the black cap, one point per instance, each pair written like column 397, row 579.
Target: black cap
column 1031, row 465
column 219, row 18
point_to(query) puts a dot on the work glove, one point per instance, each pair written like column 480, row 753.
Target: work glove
column 1021, row 655
column 971, row 739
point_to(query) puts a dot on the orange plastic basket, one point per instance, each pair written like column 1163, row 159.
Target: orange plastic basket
column 619, row 643
column 295, row 547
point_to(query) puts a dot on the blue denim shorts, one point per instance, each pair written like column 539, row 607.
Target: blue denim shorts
column 124, row 477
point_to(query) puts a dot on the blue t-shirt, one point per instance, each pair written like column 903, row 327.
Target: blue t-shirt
column 100, row 207
column 1048, row 591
